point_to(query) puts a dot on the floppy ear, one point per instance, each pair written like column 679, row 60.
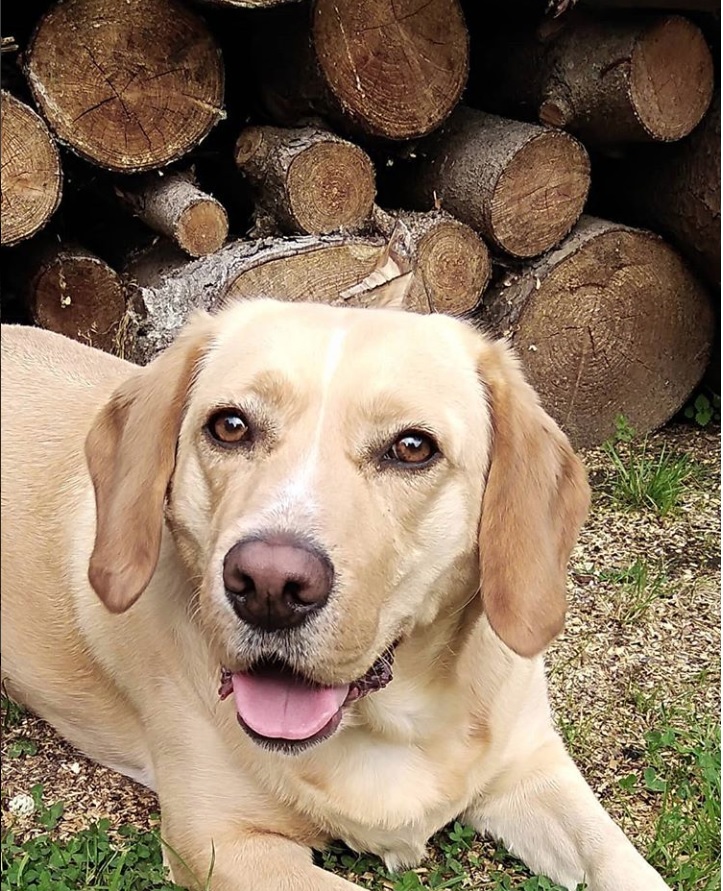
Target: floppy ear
column 131, row 453
column 535, row 501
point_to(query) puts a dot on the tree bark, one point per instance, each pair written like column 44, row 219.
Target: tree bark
column 32, row 179
column 167, row 288
column 71, row 291
column 523, row 187
column 129, row 86
column 610, row 323
column 607, row 79
column 306, row 181
column 674, row 190
column 174, row 206
column 390, row 69
column 451, row 263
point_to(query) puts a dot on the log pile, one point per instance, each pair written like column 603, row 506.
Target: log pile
column 161, row 155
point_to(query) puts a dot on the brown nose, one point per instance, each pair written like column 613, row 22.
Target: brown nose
column 277, row 581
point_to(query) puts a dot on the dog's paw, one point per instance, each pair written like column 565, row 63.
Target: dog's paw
column 403, row 857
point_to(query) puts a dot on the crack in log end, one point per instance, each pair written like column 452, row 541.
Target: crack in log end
column 116, row 100
column 581, row 365
column 32, row 178
column 395, row 74
column 540, row 193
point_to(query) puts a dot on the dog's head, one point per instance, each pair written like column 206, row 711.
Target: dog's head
column 336, row 479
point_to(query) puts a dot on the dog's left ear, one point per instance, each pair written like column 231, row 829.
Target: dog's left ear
column 535, row 501
column 131, row 454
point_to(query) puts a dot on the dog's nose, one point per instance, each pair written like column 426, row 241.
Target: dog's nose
column 276, row 582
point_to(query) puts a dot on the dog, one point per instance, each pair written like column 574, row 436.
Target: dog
column 296, row 576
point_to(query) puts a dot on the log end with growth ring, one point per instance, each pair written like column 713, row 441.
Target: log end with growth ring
column 671, row 78
column 202, row 227
column 612, row 323
column 455, row 267
column 31, row 178
column 331, row 185
column 76, row 294
column 396, row 67
column 540, row 194
column 130, row 86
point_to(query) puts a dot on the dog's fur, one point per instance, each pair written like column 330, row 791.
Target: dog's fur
column 112, row 494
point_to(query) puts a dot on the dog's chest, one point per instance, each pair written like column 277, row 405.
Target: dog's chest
column 388, row 797
column 395, row 801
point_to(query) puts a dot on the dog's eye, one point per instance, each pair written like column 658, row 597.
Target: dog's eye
column 412, row 448
column 228, row 427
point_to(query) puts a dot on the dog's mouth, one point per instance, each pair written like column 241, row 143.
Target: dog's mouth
column 283, row 710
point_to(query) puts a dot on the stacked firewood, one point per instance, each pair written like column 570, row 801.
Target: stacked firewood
column 498, row 164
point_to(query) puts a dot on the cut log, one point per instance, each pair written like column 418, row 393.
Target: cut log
column 130, row 86
column 305, row 181
column 174, row 206
column 72, row 292
column 687, row 5
column 166, row 288
column 523, row 187
column 451, row 263
column 249, row 4
column 334, row 269
column 607, row 79
column 675, row 190
column 31, row 178
column 610, row 323
column 390, row 69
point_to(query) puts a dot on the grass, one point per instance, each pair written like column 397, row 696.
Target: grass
column 679, row 769
column 680, row 766
column 457, row 860
column 636, row 587
column 577, row 729
column 12, row 713
column 130, row 860
column 644, row 481
column 90, row 859
column 126, row 860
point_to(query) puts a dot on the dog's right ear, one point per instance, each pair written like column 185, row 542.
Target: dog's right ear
column 131, row 454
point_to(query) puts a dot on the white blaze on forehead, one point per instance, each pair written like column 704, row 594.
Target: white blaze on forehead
column 298, row 490
column 334, row 353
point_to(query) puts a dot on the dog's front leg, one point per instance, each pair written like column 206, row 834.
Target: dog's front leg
column 545, row 813
column 244, row 860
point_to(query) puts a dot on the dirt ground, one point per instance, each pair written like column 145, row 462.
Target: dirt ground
column 603, row 669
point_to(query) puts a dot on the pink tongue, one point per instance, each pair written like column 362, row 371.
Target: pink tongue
column 281, row 707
